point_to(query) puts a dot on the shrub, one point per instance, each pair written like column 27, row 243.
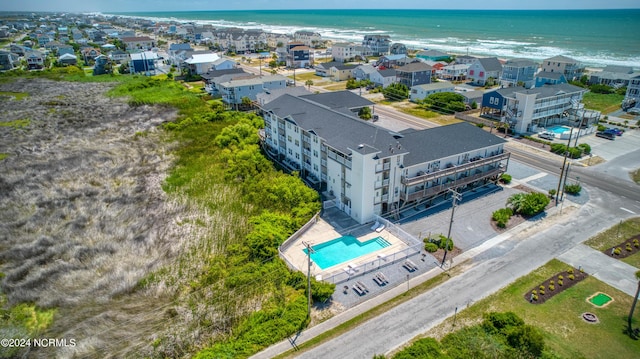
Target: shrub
column 570, row 271
column 528, row 204
column 541, row 287
column 506, row 178
column 430, row 247
column 535, row 297
column 560, row 277
column 628, row 247
column 586, row 149
column 636, row 243
column 445, row 242
column 552, row 282
column 534, row 292
column 573, row 188
column 541, row 291
column 552, row 192
column 502, row 216
column 552, row 287
column 571, row 277
column 560, row 283
column 617, row 251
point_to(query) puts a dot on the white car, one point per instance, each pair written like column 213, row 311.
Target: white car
column 547, row 135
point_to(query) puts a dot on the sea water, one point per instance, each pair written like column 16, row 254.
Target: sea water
column 594, row 37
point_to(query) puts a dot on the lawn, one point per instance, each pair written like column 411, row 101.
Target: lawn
column 566, row 334
column 338, row 86
column 633, row 260
column 16, row 95
column 635, row 175
column 601, row 102
column 430, row 115
column 615, row 235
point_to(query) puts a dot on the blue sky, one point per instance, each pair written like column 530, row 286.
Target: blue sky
column 173, row 5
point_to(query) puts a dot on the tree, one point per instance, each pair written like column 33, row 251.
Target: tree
column 633, row 307
column 445, row 102
column 309, row 83
column 396, row 92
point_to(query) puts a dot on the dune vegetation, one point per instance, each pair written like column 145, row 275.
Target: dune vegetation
column 143, row 220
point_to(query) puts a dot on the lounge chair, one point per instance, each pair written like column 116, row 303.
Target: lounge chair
column 415, row 267
column 358, row 290
column 362, row 286
column 379, row 229
column 382, row 277
column 408, row 265
column 378, row 281
column 375, row 226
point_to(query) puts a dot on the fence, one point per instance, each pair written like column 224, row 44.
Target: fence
column 473, row 119
column 407, row 238
column 347, row 273
column 289, row 241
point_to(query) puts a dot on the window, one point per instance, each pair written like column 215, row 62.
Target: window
column 481, row 74
column 289, row 138
column 297, row 143
column 297, row 156
column 296, row 129
column 290, row 152
column 315, row 153
column 288, row 125
column 471, row 72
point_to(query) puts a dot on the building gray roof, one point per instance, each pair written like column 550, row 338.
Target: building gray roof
column 435, row 86
column 521, row 63
column 550, row 75
column 543, row 92
column 341, row 131
column 414, row 67
column 444, row 141
column 561, row 58
column 490, row 64
column 341, row 66
column 618, row 69
column 272, row 94
column 432, row 53
column 387, row 73
column 339, row 99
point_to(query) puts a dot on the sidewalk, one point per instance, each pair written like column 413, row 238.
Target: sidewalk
column 614, row 272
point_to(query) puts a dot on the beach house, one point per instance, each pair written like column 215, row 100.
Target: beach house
column 484, row 70
column 420, row 92
column 518, row 72
column 138, row 43
column 233, row 91
column 570, row 68
column 378, row 44
column 366, row 170
column 527, row 110
column 631, row 102
column 415, row 73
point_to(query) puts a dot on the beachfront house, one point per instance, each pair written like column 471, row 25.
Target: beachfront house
column 570, row 68
column 614, row 76
column 528, row 110
column 365, row 170
column 398, row 48
column 464, row 59
column 484, row 71
column 308, row 38
column 415, row 73
column 420, row 92
column 234, row 91
column 518, row 72
column 378, row 44
column 298, row 55
column 392, row 61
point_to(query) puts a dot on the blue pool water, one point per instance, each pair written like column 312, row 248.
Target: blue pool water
column 344, row 249
column 558, row 129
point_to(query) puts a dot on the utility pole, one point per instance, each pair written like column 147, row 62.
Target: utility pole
column 564, row 164
column 455, row 196
column 309, row 251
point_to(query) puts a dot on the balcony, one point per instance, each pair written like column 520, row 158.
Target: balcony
column 383, row 167
column 454, row 171
column 306, row 152
column 432, row 191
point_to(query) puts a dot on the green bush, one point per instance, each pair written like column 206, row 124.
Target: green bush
column 573, row 188
column 506, row 178
column 617, row 251
column 552, row 192
column 560, row 283
column 528, row 204
column 502, row 216
column 571, row 277
column 430, row 247
column 552, row 287
column 444, row 242
column 586, row 149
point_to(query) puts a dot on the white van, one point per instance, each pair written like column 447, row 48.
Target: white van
column 547, row 135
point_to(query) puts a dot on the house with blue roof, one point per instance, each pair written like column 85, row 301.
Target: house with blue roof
column 549, row 78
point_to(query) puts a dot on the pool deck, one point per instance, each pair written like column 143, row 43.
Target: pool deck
column 322, row 232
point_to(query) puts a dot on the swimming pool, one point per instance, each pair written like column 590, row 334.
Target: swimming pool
column 344, row 249
column 558, row 129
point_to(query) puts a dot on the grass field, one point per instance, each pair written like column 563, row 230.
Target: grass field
column 601, row 102
column 17, row 95
column 615, row 235
column 566, row 334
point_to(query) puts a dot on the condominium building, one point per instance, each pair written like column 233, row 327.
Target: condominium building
column 367, row 170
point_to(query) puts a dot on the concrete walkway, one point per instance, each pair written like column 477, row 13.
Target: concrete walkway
column 614, row 272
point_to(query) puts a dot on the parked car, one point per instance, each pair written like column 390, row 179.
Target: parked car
column 607, row 135
column 615, row 131
column 547, row 135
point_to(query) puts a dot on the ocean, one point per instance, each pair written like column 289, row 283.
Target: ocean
column 594, row 37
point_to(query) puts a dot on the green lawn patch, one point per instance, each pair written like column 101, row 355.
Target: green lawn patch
column 635, row 175
column 633, row 260
column 605, row 103
column 15, row 124
column 339, row 86
column 615, row 235
column 559, row 318
column 3, row 156
column 16, row 95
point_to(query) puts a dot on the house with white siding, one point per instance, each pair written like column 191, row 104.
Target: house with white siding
column 484, row 69
column 420, row 92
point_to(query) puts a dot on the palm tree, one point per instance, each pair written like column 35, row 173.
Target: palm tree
column 633, row 306
column 309, row 83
